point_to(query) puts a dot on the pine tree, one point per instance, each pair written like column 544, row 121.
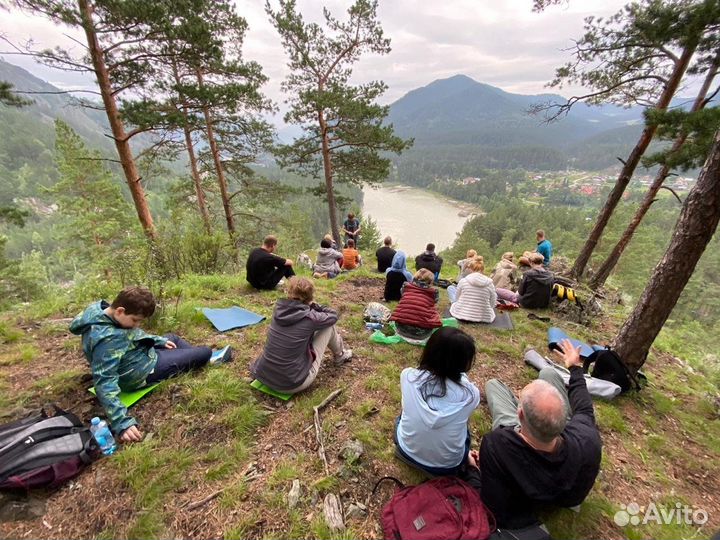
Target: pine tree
column 342, row 123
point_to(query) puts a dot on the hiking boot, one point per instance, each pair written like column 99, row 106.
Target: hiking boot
column 221, row 356
column 345, row 357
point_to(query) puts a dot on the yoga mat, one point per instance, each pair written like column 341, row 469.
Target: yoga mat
column 232, row 317
column 556, row 335
column 379, row 337
column 502, row 320
column 130, row 398
column 257, row 385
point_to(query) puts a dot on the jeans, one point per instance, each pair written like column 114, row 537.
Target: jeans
column 184, row 358
column 435, row 471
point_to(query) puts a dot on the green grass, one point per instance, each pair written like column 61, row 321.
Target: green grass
column 18, row 354
column 9, row 333
column 610, row 418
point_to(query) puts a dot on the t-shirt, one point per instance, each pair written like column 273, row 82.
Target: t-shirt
column 350, row 258
column 384, row 258
column 544, row 248
column 351, row 225
column 260, row 265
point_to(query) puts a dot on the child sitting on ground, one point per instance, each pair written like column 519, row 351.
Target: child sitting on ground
column 415, row 315
column 351, row 256
column 124, row 358
column 432, row 431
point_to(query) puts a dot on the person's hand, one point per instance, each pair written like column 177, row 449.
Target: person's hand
column 131, row 434
column 170, row 345
column 474, row 459
column 569, row 354
column 288, row 262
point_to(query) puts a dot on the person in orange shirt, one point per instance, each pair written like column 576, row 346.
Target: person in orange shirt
column 351, row 257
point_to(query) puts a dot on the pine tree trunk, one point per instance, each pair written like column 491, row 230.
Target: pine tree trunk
column 329, row 187
column 118, row 130
column 607, row 267
column 693, row 231
column 631, row 164
column 222, row 182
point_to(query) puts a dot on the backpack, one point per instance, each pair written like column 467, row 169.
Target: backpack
column 610, row 367
column 444, row 508
column 562, row 292
column 42, row 451
column 375, row 312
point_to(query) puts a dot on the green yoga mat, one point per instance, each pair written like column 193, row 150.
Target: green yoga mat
column 379, row 337
column 130, row 398
column 257, row 385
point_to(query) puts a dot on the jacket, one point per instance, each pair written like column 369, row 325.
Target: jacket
column 285, row 361
column 536, row 289
column 327, row 261
column 433, row 432
column 475, row 300
column 503, row 275
column 417, row 307
column 428, row 259
column 120, row 359
column 463, row 270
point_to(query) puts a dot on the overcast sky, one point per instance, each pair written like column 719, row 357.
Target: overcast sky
column 499, row 42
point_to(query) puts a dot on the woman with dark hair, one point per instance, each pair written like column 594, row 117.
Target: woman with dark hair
column 328, row 261
column 432, row 432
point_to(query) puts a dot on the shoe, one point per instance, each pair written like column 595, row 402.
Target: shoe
column 346, row 356
column 317, row 275
column 221, row 356
column 281, row 282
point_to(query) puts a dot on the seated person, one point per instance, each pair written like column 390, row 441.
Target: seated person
column 474, row 298
column 124, row 358
column 299, row 334
column 505, row 272
column 430, row 261
column 265, row 270
column 395, row 277
column 328, row 260
column 437, row 400
column 385, row 255
column 351, row 228
column 469, row 256
column 333, row 243
column 535, row 289
column 544, row 247
column 543, row 449
column 415, row 315
column 351, row 257
column 524, row 262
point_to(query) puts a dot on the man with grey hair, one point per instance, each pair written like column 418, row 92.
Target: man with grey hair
column 544, row 448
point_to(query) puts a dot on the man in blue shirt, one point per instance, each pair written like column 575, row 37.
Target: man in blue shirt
column 544, row 247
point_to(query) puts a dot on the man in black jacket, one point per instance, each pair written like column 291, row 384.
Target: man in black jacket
column 429, row 260
column 543, row 449
column 385, row 255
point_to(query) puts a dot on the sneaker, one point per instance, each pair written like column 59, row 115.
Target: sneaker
column 221, row 356
column 346, row 356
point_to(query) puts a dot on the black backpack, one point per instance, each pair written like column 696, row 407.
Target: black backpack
column 610, row 367
column 44, row 450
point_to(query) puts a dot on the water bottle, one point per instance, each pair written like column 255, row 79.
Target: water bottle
column 103, row 436
column 373, row 325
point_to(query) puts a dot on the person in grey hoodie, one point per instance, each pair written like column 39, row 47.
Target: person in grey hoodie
column 299, row 333
column 328, row 261
column 437, row 399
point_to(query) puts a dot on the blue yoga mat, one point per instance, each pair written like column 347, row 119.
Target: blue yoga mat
column 232, row 317
column 556, row 335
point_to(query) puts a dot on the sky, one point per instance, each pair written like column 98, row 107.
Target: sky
column 498, row 42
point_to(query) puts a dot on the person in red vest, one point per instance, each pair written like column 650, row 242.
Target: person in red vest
column 415, row 315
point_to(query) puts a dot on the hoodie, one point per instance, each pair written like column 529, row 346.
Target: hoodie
column 475, row 299
column 120, row 359
column 395, row 277
column 285, row 362
column 536, row 288
column 503, row 275
column 327, row 261
column 429, row 260
column 433, row 432
column 399, row 265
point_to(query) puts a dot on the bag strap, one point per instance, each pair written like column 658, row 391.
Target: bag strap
column 377, row 484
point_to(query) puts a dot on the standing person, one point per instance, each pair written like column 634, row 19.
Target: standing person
column 385, row 255
column 351, row 228
column 395, row 277
column 351, row 256
column 535, row 289
column 469, row 256
column 505, row 272
column 544, row 448
column 299, row 334
column 544, row 247
column 265, row 270
column 328, row 261
column 429, row 260
column 415, row 315
column 437, row 400
column 474, row 298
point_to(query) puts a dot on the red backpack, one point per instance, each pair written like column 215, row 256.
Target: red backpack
column 444, row 508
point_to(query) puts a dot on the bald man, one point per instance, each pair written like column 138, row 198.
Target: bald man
column 544, row 448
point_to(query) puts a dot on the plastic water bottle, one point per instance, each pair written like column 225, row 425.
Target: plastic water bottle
column 373, row 325
column 103, row 436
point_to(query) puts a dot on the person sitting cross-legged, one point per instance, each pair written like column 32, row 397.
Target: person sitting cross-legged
column 416, row 316
column 351, row 256
column 535, row 289
column 328, row 261
column 474, row 298
column 395, row 277
column 265, row 270
column 544, row 448
column 300, row 332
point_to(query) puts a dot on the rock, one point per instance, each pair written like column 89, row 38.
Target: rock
column 294, row 494
column 289, row 405
column 21, row 509
column 351, row 451
column 268, row 447
column 333, row 512
column 356, row 511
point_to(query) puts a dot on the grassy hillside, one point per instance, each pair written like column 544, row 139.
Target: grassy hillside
column 218, row 458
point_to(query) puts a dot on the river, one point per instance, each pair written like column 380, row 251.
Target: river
column 413, row 217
